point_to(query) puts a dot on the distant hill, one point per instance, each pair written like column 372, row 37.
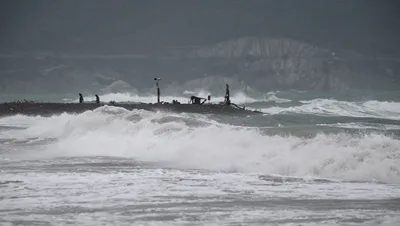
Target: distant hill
column 258, row 63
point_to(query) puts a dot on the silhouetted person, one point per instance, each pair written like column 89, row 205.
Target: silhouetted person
column 80, row 98
column 97, row 99
column 227, row 96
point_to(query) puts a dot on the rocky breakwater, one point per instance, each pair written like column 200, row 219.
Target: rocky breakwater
column 48, row 109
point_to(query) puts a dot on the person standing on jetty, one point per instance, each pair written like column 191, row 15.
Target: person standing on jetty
column 227, row 95
column 97, row 99
column 80, row 98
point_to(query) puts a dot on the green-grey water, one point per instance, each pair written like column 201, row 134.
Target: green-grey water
column 311, row 159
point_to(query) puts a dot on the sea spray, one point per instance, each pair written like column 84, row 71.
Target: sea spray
column 331, row 107
column 237, row 97
column 192, row 141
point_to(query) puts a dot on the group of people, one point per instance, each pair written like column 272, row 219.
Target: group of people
column 193, row 99
column 81, row 100
column 197, row 100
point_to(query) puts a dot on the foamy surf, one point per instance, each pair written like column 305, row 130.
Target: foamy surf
column 363, row 126
column 147, row 168
column 194, row 141
column 271, row 97
column 331, row 107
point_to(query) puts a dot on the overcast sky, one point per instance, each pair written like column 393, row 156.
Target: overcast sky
column 369, row 26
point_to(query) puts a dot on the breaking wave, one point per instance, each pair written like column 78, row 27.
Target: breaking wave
column 195, row 141
column 331, row 107
column 271, row 97
column 363, row 126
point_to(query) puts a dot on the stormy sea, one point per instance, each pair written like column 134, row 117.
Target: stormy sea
column 310, row 159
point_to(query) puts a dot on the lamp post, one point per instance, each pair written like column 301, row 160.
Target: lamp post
column 158, row 88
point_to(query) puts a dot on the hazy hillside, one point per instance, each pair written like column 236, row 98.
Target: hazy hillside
column 260, row 63
column 70, row 46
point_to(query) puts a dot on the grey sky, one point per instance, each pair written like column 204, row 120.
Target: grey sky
column 369, row 26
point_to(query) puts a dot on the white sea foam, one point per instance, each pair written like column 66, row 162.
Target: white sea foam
column 359, row 125
column 271, row 97
column 330, row 107
column 193, row 141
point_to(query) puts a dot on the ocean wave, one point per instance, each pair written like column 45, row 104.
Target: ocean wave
column 195, row 141
column 271, row 97
column 362, row 126
column 331, row 107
